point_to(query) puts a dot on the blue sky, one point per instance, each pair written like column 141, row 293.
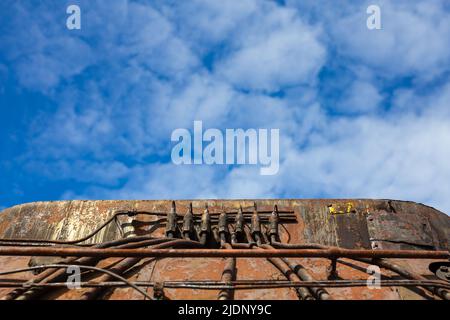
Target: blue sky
column 88, row 114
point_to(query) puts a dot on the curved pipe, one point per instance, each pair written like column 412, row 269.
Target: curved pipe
column 128, row 263
column 60, row 266
column 131, row 242
column 55, row 275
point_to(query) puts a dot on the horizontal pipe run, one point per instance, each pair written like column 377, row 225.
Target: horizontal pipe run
column 332, row 252
column 239, row 285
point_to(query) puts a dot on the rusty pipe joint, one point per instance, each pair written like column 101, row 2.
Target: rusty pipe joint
column 239, row 226
column 188, row 223
column 273, row 225
column 256, row 226
column 171, row 224
column 332, row 273
column 223, row 227
column 205, row 227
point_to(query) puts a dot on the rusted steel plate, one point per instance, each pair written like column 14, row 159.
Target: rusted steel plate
column 392, row 230
column 342, row 223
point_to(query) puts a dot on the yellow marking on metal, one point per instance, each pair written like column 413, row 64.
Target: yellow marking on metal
column 348, row 208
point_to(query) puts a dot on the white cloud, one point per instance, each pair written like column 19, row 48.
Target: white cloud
column 205, row 23
column 400, row 157
column 413, row 40
column 277, row 50
column 403, row 158
column 42, row 55
column 243, row 64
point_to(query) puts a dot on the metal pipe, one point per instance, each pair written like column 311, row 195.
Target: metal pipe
column 188, row 224
column 240, row 284
column 331, row 252
column 228, row 274
column 223, row 228
column 332, row 270
column 171, row 224
column 205, row 227
column 280, row 245
column 273, row 223
column 256, row 226
column 303, row 275
column 239, row 226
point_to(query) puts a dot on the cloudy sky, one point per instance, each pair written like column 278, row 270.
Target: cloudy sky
column 88, row 114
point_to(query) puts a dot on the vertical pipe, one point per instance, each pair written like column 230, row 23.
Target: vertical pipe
column 239, row 226
column 228, row 275
column 273, row 225
column 205, row 228
column 188, row 223
column 256, row 226
column 171, row 224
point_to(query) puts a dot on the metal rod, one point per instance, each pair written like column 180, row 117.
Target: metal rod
column 331, row 252
column 228, row 275
column 241, row 284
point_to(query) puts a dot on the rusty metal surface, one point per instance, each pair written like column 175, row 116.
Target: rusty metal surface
column 380, row 226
